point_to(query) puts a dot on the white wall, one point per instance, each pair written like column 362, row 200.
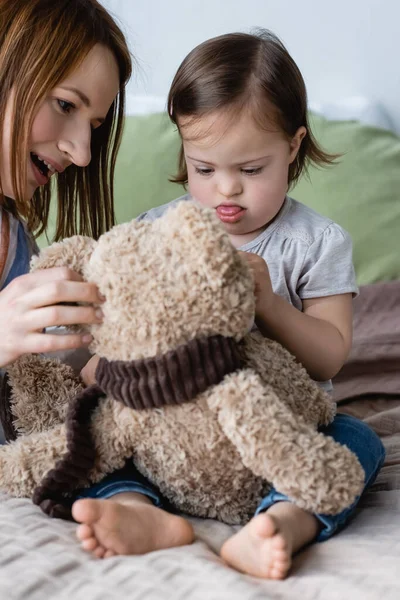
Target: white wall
column 343, row 47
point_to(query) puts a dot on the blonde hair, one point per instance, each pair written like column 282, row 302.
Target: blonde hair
column 41, row 42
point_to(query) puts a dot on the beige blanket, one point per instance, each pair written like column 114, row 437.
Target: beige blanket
column 40, row 558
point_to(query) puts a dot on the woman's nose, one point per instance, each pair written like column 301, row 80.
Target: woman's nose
column 77, row 147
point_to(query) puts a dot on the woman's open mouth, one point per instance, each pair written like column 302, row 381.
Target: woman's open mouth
column 42, row 170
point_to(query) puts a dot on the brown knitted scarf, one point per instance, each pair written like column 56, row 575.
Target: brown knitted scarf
column 173, row 378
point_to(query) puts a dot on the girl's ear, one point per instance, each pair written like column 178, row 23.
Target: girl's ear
column 73, row 252
column 296, row 142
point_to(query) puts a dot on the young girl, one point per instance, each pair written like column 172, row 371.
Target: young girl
column 63, row 69
column 239, row 103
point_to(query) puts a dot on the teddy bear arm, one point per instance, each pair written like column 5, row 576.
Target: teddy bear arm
column 313, row 470
column 280, row 370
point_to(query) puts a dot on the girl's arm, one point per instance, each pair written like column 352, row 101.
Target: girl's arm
column 320, row 337
column 87, row 374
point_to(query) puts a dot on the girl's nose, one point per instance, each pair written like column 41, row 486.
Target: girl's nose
column 229, row 186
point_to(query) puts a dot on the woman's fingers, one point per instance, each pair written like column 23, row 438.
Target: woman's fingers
column 44, row 299
column 34, row 343
column 55, row 315
column 51, row 286
column 61, row 291
column 46, row 342
column 22, row 284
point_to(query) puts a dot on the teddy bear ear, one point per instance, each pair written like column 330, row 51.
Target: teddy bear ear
column 73, row 252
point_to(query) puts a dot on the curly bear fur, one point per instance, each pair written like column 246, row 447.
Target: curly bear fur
column 166, row 283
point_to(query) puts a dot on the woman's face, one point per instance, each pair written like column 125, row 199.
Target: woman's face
column 62, row 128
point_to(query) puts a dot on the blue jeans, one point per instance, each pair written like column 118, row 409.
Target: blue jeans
column 346, row 430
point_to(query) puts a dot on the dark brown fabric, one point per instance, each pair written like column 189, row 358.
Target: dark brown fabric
column 6, row 415
column 373, row 366
column 173, row 378
column 72, row 470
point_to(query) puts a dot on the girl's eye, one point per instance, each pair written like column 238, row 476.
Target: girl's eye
column 65, row 106
column 203, row 171
column 255, row 171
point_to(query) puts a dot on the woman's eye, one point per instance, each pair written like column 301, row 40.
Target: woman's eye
column 203, row 171
column 255, row 171
column 65, row 106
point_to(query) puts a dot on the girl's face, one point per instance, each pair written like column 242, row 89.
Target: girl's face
column 239, row 170
column 62, row 128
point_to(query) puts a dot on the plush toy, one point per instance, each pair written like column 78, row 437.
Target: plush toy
column 210, row 411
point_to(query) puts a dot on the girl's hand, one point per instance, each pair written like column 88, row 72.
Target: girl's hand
column 32, row 302
column 88, row 371
column 263, row 291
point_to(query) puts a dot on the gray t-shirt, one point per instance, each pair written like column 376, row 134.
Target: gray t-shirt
column 308, row 255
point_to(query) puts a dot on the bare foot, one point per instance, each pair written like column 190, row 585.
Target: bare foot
column 127, row 524
column 264, row 547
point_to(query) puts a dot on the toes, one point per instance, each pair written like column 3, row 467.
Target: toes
column 99, row 552
column 277, row 573
column 87, row 511
column 279, row 544
column 83, row 532
column 90, row 545
column 283, row 561
column 109, row 554
column 280, row 565
column 280, row 557
column 263, row 525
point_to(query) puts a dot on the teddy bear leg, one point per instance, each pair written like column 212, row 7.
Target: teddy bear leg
column 40, row 391
column 313, row 470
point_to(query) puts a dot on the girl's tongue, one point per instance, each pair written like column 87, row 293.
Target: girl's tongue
column 226, row 210
column 228, row 213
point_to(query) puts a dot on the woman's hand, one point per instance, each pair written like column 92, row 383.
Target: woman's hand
column 263, row 291
column 89, row 370
column 32, row 302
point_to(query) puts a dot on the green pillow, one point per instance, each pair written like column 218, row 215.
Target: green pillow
column 148, row 157
column 361, row 193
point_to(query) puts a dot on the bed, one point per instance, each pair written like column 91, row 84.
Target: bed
column 40, row 558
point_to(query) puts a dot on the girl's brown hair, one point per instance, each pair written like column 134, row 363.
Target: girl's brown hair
column 240, row 71
column 41, row 42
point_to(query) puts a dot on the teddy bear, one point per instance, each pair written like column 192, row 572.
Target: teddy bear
column 211, row 412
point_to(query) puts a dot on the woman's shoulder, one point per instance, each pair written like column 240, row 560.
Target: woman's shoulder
column 16, row 247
